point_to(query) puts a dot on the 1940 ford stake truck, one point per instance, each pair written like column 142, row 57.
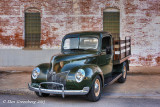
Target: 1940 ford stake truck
column 88, row 62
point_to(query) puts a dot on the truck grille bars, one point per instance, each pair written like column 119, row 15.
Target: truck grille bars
column 57, row 78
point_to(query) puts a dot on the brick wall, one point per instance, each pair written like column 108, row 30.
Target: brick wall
column 140, row 19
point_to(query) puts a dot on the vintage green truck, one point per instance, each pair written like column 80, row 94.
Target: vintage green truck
column 88, row 62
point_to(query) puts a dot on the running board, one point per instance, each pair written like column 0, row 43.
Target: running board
column 115, row 78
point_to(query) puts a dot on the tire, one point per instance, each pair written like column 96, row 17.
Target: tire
column 123, row 78
column 42, row 94
column 96, row 89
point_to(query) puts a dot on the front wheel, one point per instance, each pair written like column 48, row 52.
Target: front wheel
column 42, row 94
column 96, row 89
column 122, row 79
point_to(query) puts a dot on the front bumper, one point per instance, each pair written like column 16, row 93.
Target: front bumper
column 62, row 92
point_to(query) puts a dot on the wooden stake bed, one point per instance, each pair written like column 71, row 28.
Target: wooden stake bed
column 122, row 50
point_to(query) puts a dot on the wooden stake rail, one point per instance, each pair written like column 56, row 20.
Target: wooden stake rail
column 121, row 49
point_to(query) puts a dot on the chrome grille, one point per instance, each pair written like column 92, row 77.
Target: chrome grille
column 58, row 78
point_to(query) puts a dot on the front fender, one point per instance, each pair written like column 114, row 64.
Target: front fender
column 44, row 68
column 91, row 71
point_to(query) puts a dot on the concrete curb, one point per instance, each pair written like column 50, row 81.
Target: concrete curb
column 135, row 95
column 18, row 91
column 17, row 69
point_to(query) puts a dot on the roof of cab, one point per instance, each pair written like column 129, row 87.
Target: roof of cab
column 87, row 32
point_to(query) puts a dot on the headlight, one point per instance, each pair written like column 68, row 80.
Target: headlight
column 35, row 73
column 80, row 75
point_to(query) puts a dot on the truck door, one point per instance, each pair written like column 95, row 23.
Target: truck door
column 106, row 56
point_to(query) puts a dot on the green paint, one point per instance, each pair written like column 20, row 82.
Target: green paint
column 93, row 62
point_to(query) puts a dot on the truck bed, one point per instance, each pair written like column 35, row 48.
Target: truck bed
column 122, row 50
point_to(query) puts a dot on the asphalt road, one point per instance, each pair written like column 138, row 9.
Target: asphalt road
column 142, row 89
column 74, row 101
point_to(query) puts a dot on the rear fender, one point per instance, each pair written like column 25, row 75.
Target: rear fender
column 119, row 67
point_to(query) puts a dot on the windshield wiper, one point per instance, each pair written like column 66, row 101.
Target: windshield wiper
column 82, row 49
column 73, row 49
column 78, row 49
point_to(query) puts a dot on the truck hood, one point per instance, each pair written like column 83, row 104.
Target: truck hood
column 73, row 60
column 70, row 57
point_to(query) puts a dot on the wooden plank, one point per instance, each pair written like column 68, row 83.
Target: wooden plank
column 127, row 46
column 116, row 49
column 120, row 61
column 116, row 57
column 123, row 47
column 127, row 41
column 116, row 42
column 122, row 55
column 130, row 44
column 128, row 52
column 119, row 48
column 113, row 49
column 116, row 46
column 124, row 59
column 121, row 41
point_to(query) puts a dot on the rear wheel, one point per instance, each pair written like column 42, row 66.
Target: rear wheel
column 42, row 94
column 122, row 79
column 96, row 89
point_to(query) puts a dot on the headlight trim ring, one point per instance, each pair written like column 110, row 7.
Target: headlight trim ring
column 79, row 76
column 35, row 73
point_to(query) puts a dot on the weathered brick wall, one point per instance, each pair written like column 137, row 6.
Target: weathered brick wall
column 140, row 19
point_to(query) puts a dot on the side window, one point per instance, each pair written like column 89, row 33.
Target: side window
column 106, row 44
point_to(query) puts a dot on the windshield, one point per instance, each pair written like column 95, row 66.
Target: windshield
column 81, row 43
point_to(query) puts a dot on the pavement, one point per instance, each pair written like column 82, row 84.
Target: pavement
column 72, row 101
column 142, row 82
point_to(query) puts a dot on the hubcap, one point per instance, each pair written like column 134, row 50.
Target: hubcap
column 124, row 72
column 97, row 87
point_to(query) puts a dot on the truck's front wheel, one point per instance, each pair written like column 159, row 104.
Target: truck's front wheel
column 122, row 79
column 96, row 89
